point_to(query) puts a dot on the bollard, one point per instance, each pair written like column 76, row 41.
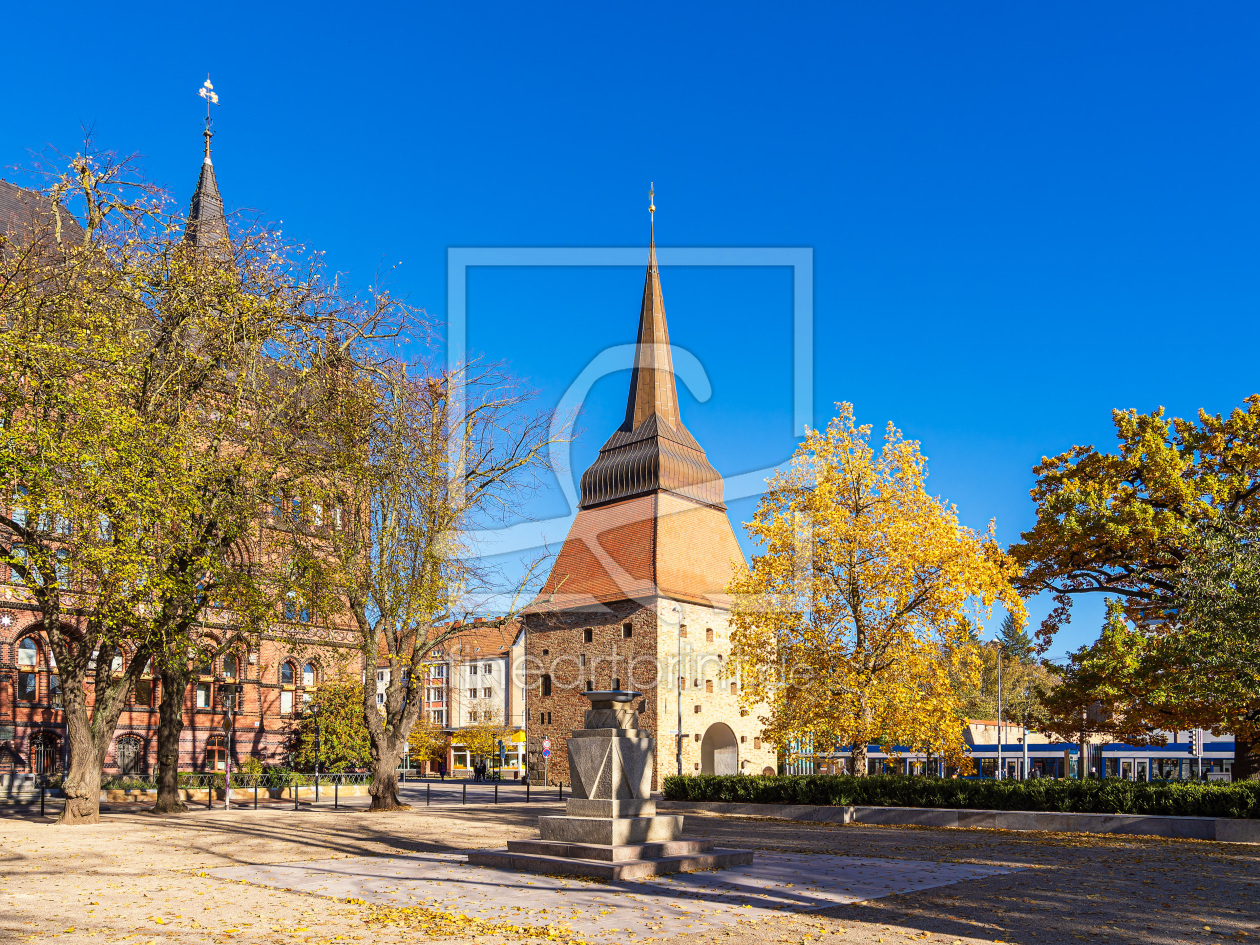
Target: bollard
column 335, row 785
column 464, row 798
column 210, row 795
column 255, row 795
column 561, row 790
column 428, row 794
column 295, row 789
column 527, row 790
column 496, row 792
column 42, row 789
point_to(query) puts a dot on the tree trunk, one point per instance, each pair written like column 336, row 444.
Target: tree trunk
column 857, row 757
column 386, row 753
column 88, row 737
column 170, row 727
column 1246, row 759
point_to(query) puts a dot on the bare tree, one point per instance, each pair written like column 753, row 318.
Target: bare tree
column 425, row 458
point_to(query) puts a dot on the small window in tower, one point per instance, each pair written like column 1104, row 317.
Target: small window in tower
column 682, row 631
column 546, row 684
column 697, row 708
column 708, row 685
column 588, row 635
column 734, row 689
column 757, row 744
column 616, row 684
column 548, row 718
column 546, row 652
column 627, row 631
column 590, row 686
column 708, row 636
column 743, row 739
column 697, row 738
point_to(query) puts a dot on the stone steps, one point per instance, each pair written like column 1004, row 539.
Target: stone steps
column 626, row 851
column 716, row 859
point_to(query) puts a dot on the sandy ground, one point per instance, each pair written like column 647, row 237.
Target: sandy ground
column 137, row 878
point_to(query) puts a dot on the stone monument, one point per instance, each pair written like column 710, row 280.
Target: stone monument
column 611, row 829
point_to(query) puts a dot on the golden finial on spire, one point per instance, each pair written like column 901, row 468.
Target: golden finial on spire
column 651, row 203
column 212, row 98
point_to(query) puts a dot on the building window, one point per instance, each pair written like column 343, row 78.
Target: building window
column 734, row 690
column 28, row 678
column 308, row 674
column 546, row 684
column 708, row 685
column 438, row 716
column 116, row 665
column 743, row 739
column 590, row 686
column 380, row 677
column 472, row 693
column 682, row 630
column 697, row 736
column 616, row 684
column 487, row 692
column 229, row 666
column 488, row 669
column 380, row 698
column 697, row 708
column 286, row 674
column 548, row 718
column 143, row 693
column 588, row 635
column 582, row 660
column 286, row 702
column 546, row 652
column 757, row 744
column 472, row 670
column 216, row 753
column 43, row 753
column 204, row 666
column 203, row 695
column 627, row 631
column 129, row 754
column 708, row 636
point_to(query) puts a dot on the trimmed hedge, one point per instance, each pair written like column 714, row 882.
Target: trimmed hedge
column 1107, row 796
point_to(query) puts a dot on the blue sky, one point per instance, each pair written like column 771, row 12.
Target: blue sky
column 1021, row 216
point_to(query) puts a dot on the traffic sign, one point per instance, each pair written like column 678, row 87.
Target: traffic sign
column 546, row 752
column 546, row 743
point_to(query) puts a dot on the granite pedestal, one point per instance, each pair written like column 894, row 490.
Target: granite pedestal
column 611, row 829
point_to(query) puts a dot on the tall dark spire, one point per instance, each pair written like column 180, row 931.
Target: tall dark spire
column 206, row 229
column 651, row 451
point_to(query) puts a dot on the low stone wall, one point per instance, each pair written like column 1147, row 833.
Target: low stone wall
column 1191, row 828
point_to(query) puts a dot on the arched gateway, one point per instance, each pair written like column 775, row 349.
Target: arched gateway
column 719, row 752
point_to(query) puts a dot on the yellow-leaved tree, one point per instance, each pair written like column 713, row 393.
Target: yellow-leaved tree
column 851, row 626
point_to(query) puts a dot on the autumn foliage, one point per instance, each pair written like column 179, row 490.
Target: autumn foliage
column 852, row 626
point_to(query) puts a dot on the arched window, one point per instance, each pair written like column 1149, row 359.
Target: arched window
column 308, row 674
column 43, row 753
column 129, row 754
column 205, row 666
column 708, row 636
column 546, row 685
column 286, row 674
column 28, row 664
column 229, row 666
column 116, row 663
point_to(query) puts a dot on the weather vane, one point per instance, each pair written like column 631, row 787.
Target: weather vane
column 212, row 98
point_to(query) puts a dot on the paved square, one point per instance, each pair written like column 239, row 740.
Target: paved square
column 667, row 906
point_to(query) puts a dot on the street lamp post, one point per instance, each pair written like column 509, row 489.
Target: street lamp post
column 228, row 693
column 319, row 748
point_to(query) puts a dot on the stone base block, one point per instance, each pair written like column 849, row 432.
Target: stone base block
column 586, row 807
column 608, row 831
column 614, row 870
column 618, row 854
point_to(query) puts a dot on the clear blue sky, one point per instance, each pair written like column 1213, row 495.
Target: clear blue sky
column 1021, row 215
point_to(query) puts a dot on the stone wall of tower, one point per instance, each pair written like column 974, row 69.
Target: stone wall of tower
column 647, row 661
column 709, row 693
column 556, row 646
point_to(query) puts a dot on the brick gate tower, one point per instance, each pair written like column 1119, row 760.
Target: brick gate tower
column 636, row 599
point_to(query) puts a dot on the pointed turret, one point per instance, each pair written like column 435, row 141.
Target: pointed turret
column 207, row 226
column 652, row 451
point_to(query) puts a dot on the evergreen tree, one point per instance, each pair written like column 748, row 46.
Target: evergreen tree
column 1014, row 639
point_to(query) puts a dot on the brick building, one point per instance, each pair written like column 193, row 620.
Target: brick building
column 637, row 596
column 279, row 674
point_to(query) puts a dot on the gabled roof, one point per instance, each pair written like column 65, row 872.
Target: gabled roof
column 25, row 210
